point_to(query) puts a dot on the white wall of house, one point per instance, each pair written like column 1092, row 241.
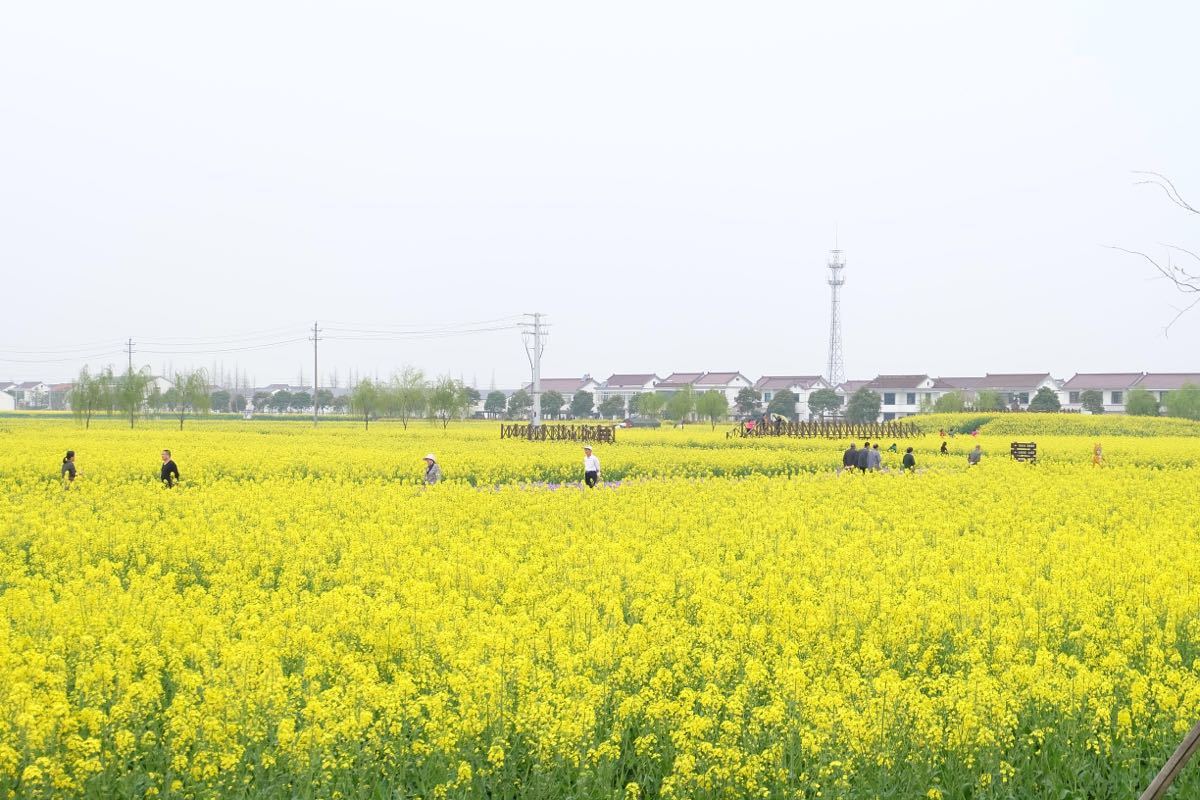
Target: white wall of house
column 802, row 392
column 730, row 389
column 7, row 402
column 904, row 402
column 626, row 393
column 1113, row 399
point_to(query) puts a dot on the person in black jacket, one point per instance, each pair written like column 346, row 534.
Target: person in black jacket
column 170, row 472
column 850, row 458
column 910, row 462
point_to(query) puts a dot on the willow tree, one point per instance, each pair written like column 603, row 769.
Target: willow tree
column 364, row 399
column 191, row 393
column 90, row 394
column 129, row 391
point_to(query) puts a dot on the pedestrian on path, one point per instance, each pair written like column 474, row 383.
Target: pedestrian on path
column 433, row 473
column 591, row 467
column 974, row 456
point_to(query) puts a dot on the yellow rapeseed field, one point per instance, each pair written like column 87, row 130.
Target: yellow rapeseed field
column 726, row 618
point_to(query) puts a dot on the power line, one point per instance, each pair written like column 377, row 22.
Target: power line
column 209, row 351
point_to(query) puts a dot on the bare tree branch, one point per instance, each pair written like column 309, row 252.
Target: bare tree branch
column 1168, row 188
column 1184, row 250
column 1184, row 281
column 1181, row 312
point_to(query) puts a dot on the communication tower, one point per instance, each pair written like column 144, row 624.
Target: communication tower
column 836, row 372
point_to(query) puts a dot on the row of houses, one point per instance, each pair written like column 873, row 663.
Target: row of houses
column 900, row 395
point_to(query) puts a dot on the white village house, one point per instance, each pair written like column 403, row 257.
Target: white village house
column 904, row 395
column 567, row 387
column 30, row 394
column 627, row 385
column 7, row 401
column 1113, row 388
column 1017, row 388
column 800, row 385
column 728, row 383
column 1160, row 384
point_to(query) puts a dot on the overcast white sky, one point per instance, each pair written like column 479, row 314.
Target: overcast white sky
column 662, row 179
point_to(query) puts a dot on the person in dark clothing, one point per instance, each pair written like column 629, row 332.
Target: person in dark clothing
column 68, row 469
column 850, row 458
column 909, row 462
column 864, row 457
column 945, row 450
column 170, row 472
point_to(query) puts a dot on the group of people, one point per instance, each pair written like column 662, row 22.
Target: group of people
column 870, row 459
column 168, row 473
column 591, row 468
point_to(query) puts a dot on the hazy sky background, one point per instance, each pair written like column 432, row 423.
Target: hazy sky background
column 662, row 179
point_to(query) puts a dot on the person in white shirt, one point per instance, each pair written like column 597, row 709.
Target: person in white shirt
column 591, row 467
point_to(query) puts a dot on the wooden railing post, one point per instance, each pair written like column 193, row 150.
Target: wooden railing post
column 1166, row 776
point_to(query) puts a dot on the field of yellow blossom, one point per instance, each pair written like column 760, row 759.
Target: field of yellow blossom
column 725, row 618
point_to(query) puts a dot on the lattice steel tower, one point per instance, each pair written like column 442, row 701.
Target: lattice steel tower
column 836, row 373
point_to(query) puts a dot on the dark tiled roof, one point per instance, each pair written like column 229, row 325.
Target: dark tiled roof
column 897, row 381
column 1102, row 380
column 773, row 382
column 677, row 379
column 1014, row 381
column 962, row 382
column 721, row 378
column 633, row 380
column 1167, row 381
column 560, row 385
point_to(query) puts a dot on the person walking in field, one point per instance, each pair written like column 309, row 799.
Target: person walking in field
column 974, row 456
column 1098, row 455
column 591, row 467
column 874, row 458
column 850, row 458
column 909, row 463
column 68, row 471
column 864, row 457
column 169, row 474
column 433, row 473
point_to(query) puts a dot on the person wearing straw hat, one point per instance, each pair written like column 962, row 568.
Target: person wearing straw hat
column 591, row 467
column 433, row 473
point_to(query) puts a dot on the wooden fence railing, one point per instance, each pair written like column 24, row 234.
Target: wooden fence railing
column 606, row 434
column 830, row 430
column 1166, row 776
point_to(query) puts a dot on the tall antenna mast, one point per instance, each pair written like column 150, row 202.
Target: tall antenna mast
column 836, row 371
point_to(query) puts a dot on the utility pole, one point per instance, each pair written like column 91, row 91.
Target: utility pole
column 534, row 335
column 129, row 347
column 315, row 338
